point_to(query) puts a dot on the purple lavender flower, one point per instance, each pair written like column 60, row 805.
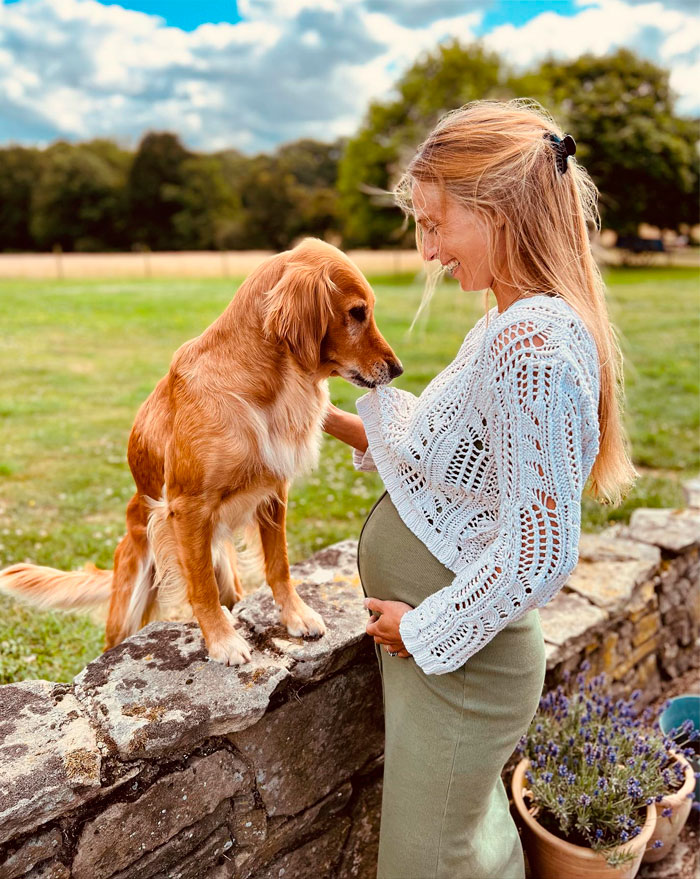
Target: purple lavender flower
column 634, row 789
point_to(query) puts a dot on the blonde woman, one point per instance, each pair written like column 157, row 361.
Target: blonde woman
column 484, row 474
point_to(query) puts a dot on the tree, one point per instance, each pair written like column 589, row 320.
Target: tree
column 19, row 169
column 286, row 195
column 642, row 156
column 77, row 200
column 314, row 167
column 206, row 204
column 156, row 170
column 440, row 81
column 268, row 201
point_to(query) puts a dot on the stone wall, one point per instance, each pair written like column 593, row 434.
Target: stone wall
column 155, row 763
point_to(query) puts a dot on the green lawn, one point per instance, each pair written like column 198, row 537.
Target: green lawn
column 77, row 359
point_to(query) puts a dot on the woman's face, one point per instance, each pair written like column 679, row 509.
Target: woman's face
column 454, row 235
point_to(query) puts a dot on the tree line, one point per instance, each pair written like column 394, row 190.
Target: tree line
column 98, row 196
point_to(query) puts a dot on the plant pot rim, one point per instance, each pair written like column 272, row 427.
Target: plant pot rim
column 584, row 852
column 688, row 784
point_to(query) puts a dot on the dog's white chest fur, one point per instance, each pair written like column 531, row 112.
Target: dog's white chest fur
column 288, row 431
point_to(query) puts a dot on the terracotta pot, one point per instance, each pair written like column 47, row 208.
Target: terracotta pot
column 667, row 829
column 553, row 858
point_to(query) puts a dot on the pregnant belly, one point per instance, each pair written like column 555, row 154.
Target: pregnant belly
column 394, row 564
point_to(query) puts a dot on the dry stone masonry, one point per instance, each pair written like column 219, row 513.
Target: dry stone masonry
column 155, row 763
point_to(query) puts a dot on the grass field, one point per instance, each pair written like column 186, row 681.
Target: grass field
column 78, row 357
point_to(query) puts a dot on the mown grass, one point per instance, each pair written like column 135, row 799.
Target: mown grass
column 77, row 359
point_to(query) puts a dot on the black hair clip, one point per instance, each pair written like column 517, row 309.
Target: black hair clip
column 564, row 148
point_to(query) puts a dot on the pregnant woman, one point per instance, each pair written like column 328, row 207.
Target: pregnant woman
column 484, row 474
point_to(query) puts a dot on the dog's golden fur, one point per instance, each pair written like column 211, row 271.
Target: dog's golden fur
column 215, row 445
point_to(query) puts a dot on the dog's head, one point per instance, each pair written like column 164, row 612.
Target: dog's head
column 322, row 308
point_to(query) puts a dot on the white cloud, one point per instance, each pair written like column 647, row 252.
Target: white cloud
column 668, row 36
column 292, row 68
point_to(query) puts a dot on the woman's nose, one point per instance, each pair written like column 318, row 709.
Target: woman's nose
column 430, row 247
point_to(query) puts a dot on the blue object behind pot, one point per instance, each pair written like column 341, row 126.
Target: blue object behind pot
column 684, row 707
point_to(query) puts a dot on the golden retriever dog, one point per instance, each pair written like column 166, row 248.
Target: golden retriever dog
column 215, row 446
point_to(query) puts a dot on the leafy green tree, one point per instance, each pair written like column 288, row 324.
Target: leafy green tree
column 154, row 177
column 267, row 196
column 314, row 167
column 620, row 110
column 77, row 201
column 207, row 203
column 442, row 80
column 19, row 169
column 313, row 163
column 286, row 195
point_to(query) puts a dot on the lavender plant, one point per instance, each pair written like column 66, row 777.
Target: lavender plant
column 595, row 765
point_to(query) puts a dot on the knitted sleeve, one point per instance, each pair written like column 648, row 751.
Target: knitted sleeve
column 535, row 428
column 393, row 407
column 363, row 461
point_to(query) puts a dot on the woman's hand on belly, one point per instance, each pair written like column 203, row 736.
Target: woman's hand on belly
column 385, row 627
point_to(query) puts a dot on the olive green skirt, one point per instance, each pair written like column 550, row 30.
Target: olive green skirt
column 445, row 811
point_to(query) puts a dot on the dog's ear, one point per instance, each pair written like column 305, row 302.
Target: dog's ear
column 297, row 310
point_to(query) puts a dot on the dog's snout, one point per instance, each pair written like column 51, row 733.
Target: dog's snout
column 395, row 369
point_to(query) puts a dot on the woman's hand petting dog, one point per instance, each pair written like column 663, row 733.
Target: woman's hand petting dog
column 384, row 624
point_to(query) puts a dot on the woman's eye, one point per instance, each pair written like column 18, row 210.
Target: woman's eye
column 359, row 313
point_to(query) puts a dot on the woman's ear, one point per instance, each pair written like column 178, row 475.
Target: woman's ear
column 297, row 311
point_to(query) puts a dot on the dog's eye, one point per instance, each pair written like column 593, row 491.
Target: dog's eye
column 359, row 312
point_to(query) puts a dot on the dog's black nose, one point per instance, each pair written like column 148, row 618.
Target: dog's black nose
column 395, row 369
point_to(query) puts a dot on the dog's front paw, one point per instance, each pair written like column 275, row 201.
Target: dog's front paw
column 302, row 620
column 229, row 648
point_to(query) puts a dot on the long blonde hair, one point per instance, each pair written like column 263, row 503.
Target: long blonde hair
column 493, row 159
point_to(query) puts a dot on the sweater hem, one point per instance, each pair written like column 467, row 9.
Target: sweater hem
column 366, row 409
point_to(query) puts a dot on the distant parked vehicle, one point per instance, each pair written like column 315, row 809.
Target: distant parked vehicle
column 639, row 251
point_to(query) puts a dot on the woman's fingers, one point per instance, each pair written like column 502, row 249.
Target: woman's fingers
column 381, row 639
column 402, row 652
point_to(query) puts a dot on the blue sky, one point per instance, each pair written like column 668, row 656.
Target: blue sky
column 186, row 16
column 189, row 16
column 252, row 74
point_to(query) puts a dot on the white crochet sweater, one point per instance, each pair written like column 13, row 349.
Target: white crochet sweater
column 487, row 467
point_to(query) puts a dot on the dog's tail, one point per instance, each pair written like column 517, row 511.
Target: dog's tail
column 61, row 590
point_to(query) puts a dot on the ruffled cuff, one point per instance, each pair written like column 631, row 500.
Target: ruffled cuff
column 363, row 461
column 419, row 650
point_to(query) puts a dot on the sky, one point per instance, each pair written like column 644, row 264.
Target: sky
column 253, row 74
